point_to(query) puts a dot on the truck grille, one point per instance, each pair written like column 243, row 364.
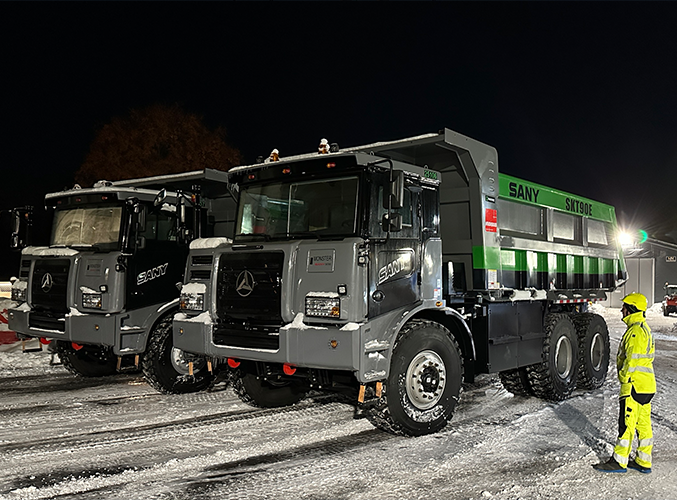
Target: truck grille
column 248, row 300
column 47, row 321
column 200, row 274
column 50, row 285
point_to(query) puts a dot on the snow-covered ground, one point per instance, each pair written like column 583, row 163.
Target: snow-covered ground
column 116, row 438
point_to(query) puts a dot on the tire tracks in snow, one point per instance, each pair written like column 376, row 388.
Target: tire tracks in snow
column 149, row 431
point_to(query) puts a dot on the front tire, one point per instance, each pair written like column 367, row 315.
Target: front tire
column 555, row 378
column 256, row 391
column 88, row 361
column 166, row 368
column 593, row 351
column 424, row 384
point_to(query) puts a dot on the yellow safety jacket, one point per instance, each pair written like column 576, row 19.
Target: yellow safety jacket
column 635, row 357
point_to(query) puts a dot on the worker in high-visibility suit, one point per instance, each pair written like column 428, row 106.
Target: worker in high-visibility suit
column 638, row 386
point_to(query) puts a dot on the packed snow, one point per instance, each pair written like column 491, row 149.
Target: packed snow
column 117, row 438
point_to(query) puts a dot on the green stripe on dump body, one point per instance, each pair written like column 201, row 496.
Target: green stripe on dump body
column 512, row 188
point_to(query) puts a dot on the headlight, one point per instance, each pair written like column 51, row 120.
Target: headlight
column 324, row 307
column 19, row 294
column 91, row 300
column 192, row 301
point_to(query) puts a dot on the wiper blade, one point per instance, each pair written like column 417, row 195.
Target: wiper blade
column 96, row 248
column 301, row 234
column 253, row 236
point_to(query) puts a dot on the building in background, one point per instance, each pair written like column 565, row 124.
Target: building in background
column 650, row 265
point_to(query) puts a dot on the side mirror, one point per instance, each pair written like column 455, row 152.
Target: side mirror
column 391, row 223
column 22, row 220
column 160, row 198
column 396, row 194
column 141, row 218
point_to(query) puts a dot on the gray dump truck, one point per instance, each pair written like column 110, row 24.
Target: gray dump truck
column 396, row 271
column 106, row 288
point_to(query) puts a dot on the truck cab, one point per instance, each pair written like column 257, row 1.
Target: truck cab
column 108, row 283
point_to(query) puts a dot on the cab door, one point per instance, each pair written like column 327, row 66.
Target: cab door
column 156, row 269
column 394, row 263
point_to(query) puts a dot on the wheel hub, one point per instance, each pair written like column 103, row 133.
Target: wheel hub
column 563, row 357
column 425, row 380
column 596, row 352
column 180, row 362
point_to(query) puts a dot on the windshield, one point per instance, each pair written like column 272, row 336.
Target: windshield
column 319, row 208
column 87, row 227
column 671, row 290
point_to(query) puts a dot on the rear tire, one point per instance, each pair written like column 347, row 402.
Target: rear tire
column 593, row 350
column 166, row 368
column 424, row 384
column 516, row 381
column 89, row 361
column 256, row 391
column 555, row 378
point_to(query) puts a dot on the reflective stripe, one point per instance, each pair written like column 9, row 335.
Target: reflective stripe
column 643, row 443
column 643, row 356
column 645, row 369
column 644, row 456
column 623, row 442
column 621, row 459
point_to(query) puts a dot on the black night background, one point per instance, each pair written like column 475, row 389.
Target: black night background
column 579, row 96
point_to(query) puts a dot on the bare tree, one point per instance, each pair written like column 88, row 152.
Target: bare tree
column 154, row 141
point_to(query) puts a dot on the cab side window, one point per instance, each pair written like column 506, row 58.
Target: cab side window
column 377, row 212
column 160, row 227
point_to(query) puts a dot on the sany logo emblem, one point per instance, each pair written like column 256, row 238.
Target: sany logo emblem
column 47, row 282
column 151, row 274
column 245, row 283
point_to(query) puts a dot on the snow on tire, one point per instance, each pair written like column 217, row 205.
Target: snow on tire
column 593, row 350
column 555, row 378
column 424, row 384
column 166, row 368
column 88, row 361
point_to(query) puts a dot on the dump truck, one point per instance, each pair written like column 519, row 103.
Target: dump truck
column 106, row 288
column 397, row 271
column 669, row 302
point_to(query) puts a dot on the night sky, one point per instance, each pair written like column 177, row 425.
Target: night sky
column 579, row 96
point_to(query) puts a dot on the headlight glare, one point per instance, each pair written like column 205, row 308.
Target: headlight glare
column 91, row 300
column 192, row 301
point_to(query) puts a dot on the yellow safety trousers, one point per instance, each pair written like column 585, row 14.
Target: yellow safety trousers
column 634, row 417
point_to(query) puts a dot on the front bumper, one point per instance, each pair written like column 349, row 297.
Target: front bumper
column 329, row 348
column 96, row 329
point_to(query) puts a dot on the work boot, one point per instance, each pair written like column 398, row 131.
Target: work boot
column 634, row 465
column 610, row 466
